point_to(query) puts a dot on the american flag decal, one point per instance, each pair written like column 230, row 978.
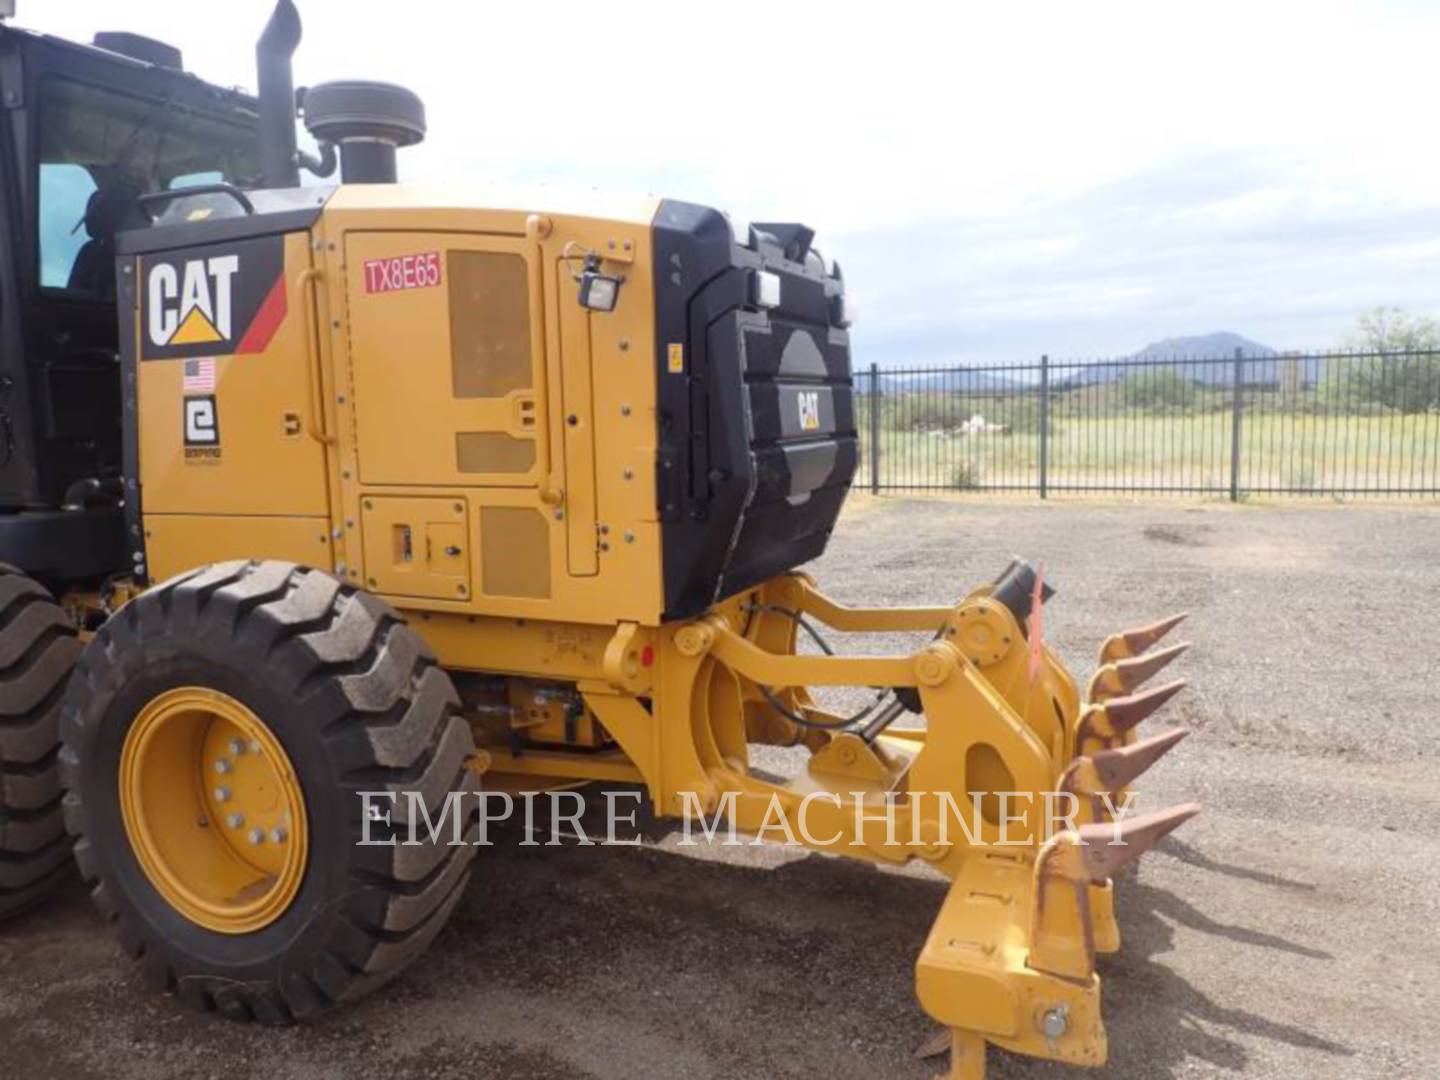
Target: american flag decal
column 199, row 376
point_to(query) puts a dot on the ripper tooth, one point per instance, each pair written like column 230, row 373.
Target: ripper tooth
column 1117, row 768
column 1108, row 848
column 1124, row 676
column 1129, row 643
column 1109, row 725
column 1126, row 713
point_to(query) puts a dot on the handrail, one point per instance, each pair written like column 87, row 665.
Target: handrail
column 235, row 193
column 537, row 228
column 315, row 412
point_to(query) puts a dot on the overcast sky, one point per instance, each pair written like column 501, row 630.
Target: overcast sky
column 997, row 180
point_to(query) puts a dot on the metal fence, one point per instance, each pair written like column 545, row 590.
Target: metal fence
column 1334, row 423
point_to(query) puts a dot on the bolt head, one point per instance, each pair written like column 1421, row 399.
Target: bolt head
column 222, row 794
column 1055, row 1023
column 235, row 821
column 256, row 837
column 236, row 747
column 279, row 835
column 223, row 766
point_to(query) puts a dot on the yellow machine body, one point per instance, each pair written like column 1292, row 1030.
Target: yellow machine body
column 371, row 415
column 426, row 411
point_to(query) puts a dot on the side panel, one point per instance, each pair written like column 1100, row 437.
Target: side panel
column 180, row 542
column 416, row 547
column 757, row 420
column 468, row 375
column 227, row 386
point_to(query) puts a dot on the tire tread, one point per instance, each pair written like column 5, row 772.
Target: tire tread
column 386, row 715
column 38, row 650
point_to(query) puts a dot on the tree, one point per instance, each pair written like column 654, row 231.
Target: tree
column 1406, row 378
column 1393, row 329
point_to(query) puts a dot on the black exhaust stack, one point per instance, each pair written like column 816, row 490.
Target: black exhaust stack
column 278, row 162
column 368, row 121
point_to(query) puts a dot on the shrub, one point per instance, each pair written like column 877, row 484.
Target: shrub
column 929, row 411
column 965, row 476
column 1022, row 416
column 1158, row 388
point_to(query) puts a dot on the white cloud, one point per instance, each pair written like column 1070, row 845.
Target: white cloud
column 996, row 179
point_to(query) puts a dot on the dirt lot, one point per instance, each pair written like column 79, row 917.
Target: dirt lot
column 1289, row 931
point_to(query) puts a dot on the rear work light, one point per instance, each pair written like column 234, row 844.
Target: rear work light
column 598, row 292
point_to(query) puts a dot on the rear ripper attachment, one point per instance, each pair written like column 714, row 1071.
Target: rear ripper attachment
column 1011, row 957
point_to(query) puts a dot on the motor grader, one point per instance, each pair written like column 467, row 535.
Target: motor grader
column 318, row 491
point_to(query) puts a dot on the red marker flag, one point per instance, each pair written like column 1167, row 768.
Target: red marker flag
column 1037, row 621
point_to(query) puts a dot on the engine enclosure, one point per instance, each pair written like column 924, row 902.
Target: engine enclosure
column 403, row 373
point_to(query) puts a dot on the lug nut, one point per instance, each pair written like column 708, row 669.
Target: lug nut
column 235, row 820
column 236, row 747
column 278, row 835
column 222, row 766
column 222, row 794
column 257, row 836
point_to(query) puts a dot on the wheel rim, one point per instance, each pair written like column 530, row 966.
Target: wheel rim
column 213, row 810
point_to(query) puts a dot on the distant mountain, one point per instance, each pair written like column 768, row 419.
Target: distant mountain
column 1260, row 364
column 1208, row 359
column 1202, row 347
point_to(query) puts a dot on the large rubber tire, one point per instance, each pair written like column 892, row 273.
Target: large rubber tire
column 356, row 702
column 38, row 647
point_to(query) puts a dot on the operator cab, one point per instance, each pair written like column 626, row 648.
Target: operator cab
column 89, row 129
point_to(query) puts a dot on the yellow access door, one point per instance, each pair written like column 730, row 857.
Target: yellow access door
column 417, row 547
column 447, row 352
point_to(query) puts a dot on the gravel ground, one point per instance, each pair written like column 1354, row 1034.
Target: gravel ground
column 1288, row 931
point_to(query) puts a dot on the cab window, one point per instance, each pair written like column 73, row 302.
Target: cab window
column 64, row 191
column 99, row 151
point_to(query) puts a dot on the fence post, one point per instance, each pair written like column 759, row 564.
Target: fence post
column 1044, row 425
column 874, row 429
column 1235, row 427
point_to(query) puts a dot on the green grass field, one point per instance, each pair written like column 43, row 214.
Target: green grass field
column 1299, row 451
